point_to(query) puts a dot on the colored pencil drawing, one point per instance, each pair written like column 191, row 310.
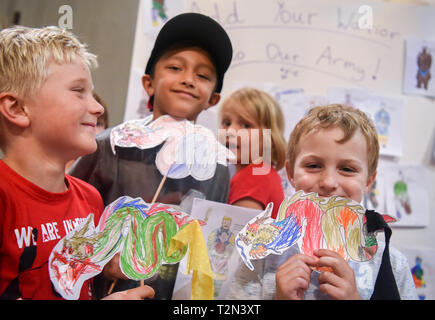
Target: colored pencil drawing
column 220, row 244
column 418, row 69
column 311, row 222
column 422, row 266
column 188, row 149
column 403, row 203
column 382, row 123
column 418, row 273
column 158, row 11
column 424, row 62
column 141, row 232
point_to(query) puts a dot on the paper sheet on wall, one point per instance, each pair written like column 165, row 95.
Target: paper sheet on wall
column 157, row 12
column 374, row 199
column 386, row 113
column 223, row 222
column 421, row 261
column 296, row 106
column 294, row 102
column 419, row 70
column 407, row 196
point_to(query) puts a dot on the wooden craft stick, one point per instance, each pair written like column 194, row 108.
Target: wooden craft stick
column 159, row 189
column 111, row 287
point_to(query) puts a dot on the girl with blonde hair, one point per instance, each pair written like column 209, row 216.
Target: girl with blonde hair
column 252, row 126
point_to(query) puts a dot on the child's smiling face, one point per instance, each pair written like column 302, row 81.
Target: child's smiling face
column 64, row 113
column 330, row 168
column 183, row 83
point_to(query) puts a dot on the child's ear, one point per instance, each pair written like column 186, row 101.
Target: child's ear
column 147, row 84
column 214, row 99
column 14, row 110
column 370, row 181
column 289, row 173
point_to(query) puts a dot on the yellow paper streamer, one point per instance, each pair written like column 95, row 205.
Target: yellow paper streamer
column 197, row 260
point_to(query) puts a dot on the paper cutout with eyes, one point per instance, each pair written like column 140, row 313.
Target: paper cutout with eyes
column 311, row 222
column 188, row 149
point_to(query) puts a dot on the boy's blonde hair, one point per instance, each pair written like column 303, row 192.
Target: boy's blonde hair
column 347, row 118
column 25, row 54
column 265, row 110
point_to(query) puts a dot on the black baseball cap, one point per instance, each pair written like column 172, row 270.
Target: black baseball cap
column 199, row 30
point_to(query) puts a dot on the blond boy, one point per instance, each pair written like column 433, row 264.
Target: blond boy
column 332, row 151
column 48, row 116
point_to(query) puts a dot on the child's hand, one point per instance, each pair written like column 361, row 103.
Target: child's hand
column 340, row 283
column 138, row 293
column 112, row 271
column 293, row 277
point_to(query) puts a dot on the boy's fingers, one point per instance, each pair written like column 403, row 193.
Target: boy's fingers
column 138, row 293
column 311, row 261
column 143, row 292
column 326, row 252
column 329, row 258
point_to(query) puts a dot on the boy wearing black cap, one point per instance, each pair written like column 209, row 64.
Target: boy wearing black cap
column 183, row 76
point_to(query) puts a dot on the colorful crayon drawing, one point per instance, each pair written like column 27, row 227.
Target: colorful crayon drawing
column 141, row 232
column 220, row 244
column 418, row 273
column 418, row 276
column 382, row 123
column 188, row 149
column 401, row 196
column 158, row 11
column 424, row 62
column 312, row 222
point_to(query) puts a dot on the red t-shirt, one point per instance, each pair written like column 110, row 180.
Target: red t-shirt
column 264, row 188
column 32, row 221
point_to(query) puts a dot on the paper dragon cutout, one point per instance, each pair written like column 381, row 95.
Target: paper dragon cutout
column 334, row 223
column 141, row 232
column 189, row 149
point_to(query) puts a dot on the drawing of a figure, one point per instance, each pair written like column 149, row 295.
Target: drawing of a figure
column 220, row 244
column 382, row 122
column 424, row 62
column 418, row 276
column 402, row 196
column 158, row 11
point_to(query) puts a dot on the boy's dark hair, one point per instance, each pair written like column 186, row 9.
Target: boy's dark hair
column 194, row 29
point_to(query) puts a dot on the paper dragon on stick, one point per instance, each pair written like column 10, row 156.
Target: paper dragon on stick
column 188, row 149
column 311, row 222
